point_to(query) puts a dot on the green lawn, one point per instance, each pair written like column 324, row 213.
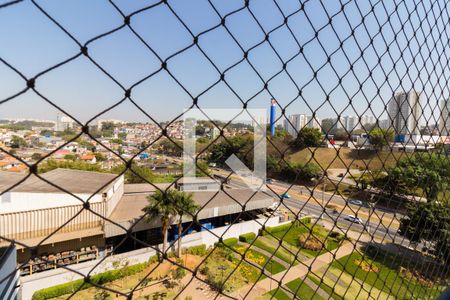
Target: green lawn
column 278, row 252
column 387, row 279
column 291, row 236
column 302, row 290
column 279, row 294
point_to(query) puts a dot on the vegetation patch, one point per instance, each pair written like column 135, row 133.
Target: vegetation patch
column 366, row 265
column 247, row 237
column 311, row 242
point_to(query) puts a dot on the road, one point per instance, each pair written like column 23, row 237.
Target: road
column 376, row 224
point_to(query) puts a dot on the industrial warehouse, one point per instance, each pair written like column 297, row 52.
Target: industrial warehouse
column 65, row 230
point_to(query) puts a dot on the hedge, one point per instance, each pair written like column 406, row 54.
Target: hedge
column 101, row 278
column 247, row 237
column 229, row 242
column 284, row 227
column 199, row 250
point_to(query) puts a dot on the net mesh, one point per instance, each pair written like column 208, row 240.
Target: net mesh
column 366, row 218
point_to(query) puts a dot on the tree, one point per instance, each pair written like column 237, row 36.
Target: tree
column 71, row 157
column 428, row 223
column 379, row 137
column 122, row 135
column 162, row 206
column 238, row 146
column 36, row 156
column 99, row 156
column 307, row 137
column 341, row 135
column 423, row 173
column 46, row 132
column 328, row 125
column 17, row 142
column 184, row 205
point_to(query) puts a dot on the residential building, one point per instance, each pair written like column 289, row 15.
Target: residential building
column 404, row 113
column 444, row 118
column 351, row 123
column 296, row 122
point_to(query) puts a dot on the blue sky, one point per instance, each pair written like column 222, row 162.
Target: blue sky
column 32, row 43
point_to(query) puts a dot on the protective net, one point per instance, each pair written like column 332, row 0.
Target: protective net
column 355, row 204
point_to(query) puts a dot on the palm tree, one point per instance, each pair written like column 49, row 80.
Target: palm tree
column 184, row 205
column 162, row 206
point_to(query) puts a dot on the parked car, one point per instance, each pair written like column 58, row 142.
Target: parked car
column 353, row 219
column 285, row 196
column 340, row 175
column 355, row 202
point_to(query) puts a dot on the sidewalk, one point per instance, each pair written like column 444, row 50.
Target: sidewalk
column 299, row 271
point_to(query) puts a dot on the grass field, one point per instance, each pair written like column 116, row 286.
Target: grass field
column 272, row 246
column 291, row 236
column 353, row 277
column 351, row 158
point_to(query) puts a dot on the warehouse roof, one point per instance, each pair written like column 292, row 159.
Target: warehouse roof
column 231, row 201
column 74, row 181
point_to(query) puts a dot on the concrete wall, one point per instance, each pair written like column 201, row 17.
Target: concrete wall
column 211, row 237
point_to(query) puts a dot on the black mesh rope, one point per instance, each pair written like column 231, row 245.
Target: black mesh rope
column 333, row 58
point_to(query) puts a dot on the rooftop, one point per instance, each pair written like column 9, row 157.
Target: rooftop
column 231, row 201
column 74, row 181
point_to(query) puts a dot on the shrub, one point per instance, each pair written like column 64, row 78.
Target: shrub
column 334, row 234
column 100, row 279
column 279, row 228
column 230, row 242
column 153, row 259
column 199, row 250
column 178, row 273
column 311, row 242
column 305, row 220
column 247, row 237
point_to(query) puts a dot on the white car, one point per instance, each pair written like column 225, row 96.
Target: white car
column 355, row 202
column 353, row 219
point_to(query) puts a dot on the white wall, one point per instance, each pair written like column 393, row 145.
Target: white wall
column 211, row 237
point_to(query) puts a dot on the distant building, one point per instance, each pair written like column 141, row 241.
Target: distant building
column 351, row 123
column 367, row 119
column 404, row 114
column 444, row 118
column 296, row 122
column 63, row 122
column 384, row 124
